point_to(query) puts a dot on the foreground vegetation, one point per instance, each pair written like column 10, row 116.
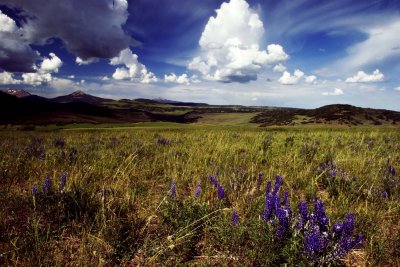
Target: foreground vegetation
column 144, row 196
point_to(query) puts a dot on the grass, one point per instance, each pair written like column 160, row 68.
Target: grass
column 232, row 119
column 116, row 208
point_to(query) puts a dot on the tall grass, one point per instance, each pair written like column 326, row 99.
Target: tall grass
column 116, row 207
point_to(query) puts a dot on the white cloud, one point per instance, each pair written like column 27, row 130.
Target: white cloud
column 311, row 79
column 230, row 50
column 7, row 24
column 51, row 64
column 88, row 61
column 362, row 77
column 71, row 76
column 279, row 68
column 8, row 78
column 397, row 88
column 336, row 92
column 378, row 47
column 289, row 79
column 105, row 78
column 173, row 78
column 133, row 69
column 36, row 79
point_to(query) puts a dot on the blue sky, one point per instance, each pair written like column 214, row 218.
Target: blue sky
column 279, row 53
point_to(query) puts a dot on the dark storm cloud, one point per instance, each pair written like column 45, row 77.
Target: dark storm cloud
column 90, row 29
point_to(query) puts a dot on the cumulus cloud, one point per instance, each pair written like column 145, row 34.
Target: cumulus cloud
column 15, row 52
column 132, row 69
column 362, row 77
column 42, row 74
column 182, row 79
column 105, row 78
column 88, row 61
column 279, row 68
column 90, row 29
column 230, row 50
column 8, row 78
column 311, row 79
column 336, row 92
column 289, row 79
column 397, row 88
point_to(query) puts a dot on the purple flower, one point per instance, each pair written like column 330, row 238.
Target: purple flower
column 173, row 190
column 283, row 220
column 221, row 192
column 314, row 243
column 268, row 207
column 34, row 190
column 278, row 183
column 348, row 225
column 268, row 188
column 235, row 218
column 385, row 195
column 337, row 229
column 63, row 181
column 391, row 170
column 286, row 199
column 47, row 185
column 303, row 211
column 319, row 215
column 198, row 190
column 213, row 181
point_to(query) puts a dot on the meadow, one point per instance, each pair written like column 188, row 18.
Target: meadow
column 200, row 196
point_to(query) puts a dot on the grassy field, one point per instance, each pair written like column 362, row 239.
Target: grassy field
column 143, row 195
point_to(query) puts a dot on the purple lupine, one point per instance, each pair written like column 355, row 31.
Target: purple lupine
column 314, row 243
column 34, row 190
column 259, row 181
column 47, row 185
column 268, row 207
column 337, row 229
column 63, row 181
column 268, row 188
column 303, row 211
column 221, row 192
column 385, row 195
column 392, row 170
column 213, row 181
column 198, row 190
column 286, row 199
column 319, row 215
column 283, row 220
column 235, row 218
column 348, row 225
column 278, row 183
column 277, row 203
column 173, row 190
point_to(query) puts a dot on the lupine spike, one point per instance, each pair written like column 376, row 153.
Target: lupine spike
column 213, row 181
column 63, row 181
column 34, row 190
column 198, row 190
column 268, row 188
column 278, row 183
column 235, row 218
column 221, row 192
column 173, row 190
column 47, row 185
column 348, row 226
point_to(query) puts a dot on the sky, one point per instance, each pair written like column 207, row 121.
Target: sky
column 303, row 53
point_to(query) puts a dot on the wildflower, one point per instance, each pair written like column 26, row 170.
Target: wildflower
column 47, row 185
column 283, row 220
column 221, row 192
column 337, row 229
column 235, row 218
column 286, row 199
column 268, row 188
column 278, row 183
column 63, row 181
column 268, row 207
column 34, row 190
column 173, row 190
column 213, row 181
column 314, row 243
column 348, row 226
column 385, row 195
column 198, row 190
column 319, row 215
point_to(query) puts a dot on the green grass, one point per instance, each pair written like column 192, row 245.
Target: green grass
column 116, row 207
column 233, row 119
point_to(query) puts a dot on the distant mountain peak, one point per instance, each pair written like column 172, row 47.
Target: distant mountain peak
column 78, row 93
column 17, row 92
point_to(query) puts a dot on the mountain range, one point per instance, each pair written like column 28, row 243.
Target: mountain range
column 20, row 107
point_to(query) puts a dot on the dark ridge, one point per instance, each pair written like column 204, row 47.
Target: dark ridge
column 81, row 97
